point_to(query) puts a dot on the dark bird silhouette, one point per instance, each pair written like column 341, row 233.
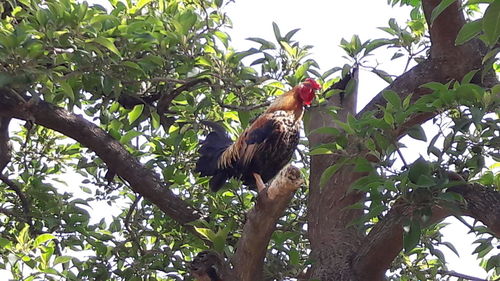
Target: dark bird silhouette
column 205, row 266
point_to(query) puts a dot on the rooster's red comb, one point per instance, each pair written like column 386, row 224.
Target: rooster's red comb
column 315, row 85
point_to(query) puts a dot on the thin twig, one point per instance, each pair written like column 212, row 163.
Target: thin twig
column 157, row 79
column 244, row 108
column 127, row 223
column 166, row 100
column 401, row 156
column 460, row 275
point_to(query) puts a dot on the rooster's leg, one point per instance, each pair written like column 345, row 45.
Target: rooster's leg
column 259, row 182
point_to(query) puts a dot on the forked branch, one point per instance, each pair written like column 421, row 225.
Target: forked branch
column 248, row 261
column 385, row 240
column 141, row 179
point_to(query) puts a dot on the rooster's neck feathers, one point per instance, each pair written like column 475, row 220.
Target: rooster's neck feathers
column 288, row 101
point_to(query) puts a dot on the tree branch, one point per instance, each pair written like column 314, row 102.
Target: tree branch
column 385, row 240
column 248, row 261
column 460, row 275
column 5, row 149
column 244, row 108
column 440, row 67
column 166, row 100
column 141, row 179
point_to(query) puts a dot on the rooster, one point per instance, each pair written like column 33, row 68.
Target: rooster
column 263, row 149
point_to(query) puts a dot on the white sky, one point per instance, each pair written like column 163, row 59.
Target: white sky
column 323, row 24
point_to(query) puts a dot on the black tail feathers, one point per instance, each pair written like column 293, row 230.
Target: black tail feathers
column 210, row 151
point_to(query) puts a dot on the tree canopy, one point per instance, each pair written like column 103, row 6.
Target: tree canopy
column 112, row 104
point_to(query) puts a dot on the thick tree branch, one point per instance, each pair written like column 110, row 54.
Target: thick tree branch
column 481, row 203
column 385, row 240
column 248, row 261
column 5, row 149
column 142, row 180
column 440, row 67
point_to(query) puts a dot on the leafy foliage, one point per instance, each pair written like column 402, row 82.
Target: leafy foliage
column 147, row 72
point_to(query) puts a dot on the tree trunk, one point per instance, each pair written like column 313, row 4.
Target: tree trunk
column 337, row 246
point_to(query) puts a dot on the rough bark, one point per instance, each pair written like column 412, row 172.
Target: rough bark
column 5, row 149
column 248, row 261
column 385, row 240
column 332, row 243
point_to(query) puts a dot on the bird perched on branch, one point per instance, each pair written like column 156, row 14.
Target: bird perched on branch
column 263, row 149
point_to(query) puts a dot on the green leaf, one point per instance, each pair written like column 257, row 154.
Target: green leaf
column 469, row 31
column 62, row 259
column 406, row 101
column 140, row 4
column 345, row 126
column 264, row 43
column 382, row 74
column 301, row 71
column 220, row 239
column 133, row 65
column 330, row 72
column 135, row 113
column 205, row 232
column 388, row 118
column 451, row 247
column 290, row 34
column 294, row 256
column 435, row 86
column 393, row 98
column 23, row 235
column 277, row 33
column 106, row 42
column 125, row 139
column 374, row 44
column 411, row 235
column 42, row 238
column 418, row 168
column 440, row 8
column 491, row 23
column 223, row 37
column 244, row 117
column 417, row 132
column 468, row 77
column 185, row 22
column 328, row 172
column 5, row 243
column 320, row 151
column 67, row 90
column 325, row 130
